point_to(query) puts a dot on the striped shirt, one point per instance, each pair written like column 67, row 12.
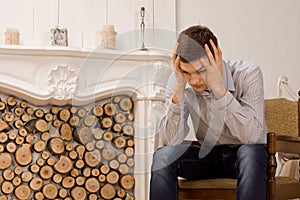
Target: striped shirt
column 236, row 118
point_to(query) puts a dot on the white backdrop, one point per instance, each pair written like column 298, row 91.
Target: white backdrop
column 265, row 32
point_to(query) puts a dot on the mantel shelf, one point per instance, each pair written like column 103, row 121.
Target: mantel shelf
column 98, row 53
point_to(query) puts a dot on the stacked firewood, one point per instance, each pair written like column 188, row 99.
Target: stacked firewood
column 67, row 152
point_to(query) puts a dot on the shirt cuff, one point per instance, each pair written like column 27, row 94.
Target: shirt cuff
column 224, row 101
column 176, row 108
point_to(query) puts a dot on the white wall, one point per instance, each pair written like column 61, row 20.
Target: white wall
column 265, row 32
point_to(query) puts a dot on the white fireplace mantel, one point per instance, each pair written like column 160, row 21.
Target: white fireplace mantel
column 63, row 75
column 27, row 71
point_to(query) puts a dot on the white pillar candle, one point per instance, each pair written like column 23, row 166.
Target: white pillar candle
column 108, row 37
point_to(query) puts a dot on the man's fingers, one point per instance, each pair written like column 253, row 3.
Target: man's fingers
column 209, row 54
column 216, row 52
column 174, row 56
column 177, row 63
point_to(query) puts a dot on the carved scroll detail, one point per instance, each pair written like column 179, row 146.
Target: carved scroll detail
column 62, row 82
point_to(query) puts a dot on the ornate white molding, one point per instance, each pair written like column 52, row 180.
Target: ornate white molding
column 62, row 82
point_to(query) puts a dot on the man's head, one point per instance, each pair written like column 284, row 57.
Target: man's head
column 191, row 43
column 190, row 49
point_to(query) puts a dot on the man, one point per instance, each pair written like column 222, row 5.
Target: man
column 225, row 101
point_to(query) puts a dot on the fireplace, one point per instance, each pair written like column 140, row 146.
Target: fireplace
column 78, row 124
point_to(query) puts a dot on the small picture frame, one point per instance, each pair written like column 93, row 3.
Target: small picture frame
column 59, row 37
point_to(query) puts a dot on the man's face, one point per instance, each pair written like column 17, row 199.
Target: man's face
column 195, row 75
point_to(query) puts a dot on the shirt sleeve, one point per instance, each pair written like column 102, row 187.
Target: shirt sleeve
column 173, row 127
column 245, row 117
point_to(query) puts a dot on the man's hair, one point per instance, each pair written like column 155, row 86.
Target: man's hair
column 191, row 43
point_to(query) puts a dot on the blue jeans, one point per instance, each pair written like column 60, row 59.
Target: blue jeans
column 247, row 163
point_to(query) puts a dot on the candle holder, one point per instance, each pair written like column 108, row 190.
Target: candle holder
column 142, row 26
column 12, row 36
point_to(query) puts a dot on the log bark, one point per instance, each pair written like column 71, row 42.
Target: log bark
column 127, row 181
column 57, row 178
column 97, row 110
column 83, row 135
column 108, row 154
column 73, row 155
column 92, row 185
column 104, row 169
column 108, row 136
column 18, row 123
column 38, row 113
column 56, row 145
column 68, row 182
column 39, row 146
column 40, row 162
column 3, row 137
column 81, row 112
column 26, row 176
column 128, row 130
column 64, row 165
column 36, row 125
column 74, row 121
column 51, row 161
column 46, row 172
column 80, row 180
column 106, row 122
column 78, row 193
column 120, row 118
column 65, row 131
column 18, row 111
column 64, row 115
column 34, row 168
column 109, row 109
column 93, row 158
column 48, row 117
column 16, row 181
column 18, row 170
column 56, row 123
column 62, row 193
column 39, row 196
column 80, row 149
column 11, row 102
column 23, row 155
column 7, row 187
column 121, row 193
column 89, row 120
column 126, row 104
column 11, row 147
column 98, row 133
column 124, row 169
column 45, row 136
column 119, row 142
column 129, row 151
column 8, row 174
column 79, row 164
column 4, row 126
column 130, row 117
column 95, row 172
column 29, row 110
column 112, row 177
column 36, row 183
column 107, row 191
column 50, row 191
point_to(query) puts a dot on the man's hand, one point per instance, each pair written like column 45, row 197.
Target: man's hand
column 213, row 68
column 180, row 80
